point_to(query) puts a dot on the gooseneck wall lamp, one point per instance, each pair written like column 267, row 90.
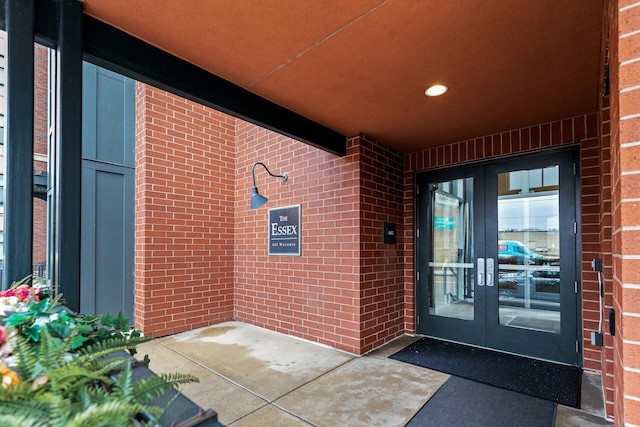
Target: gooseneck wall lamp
column 257, row 199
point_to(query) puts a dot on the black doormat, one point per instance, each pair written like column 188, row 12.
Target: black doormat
column 537, row 378
column 464, row 403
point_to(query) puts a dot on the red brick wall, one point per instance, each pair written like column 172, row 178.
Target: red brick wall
column 346, row 289
column 593, row 198
column 184, row 201
column 625, row 189
column 519, row 141
column 40, row 142
column 41, row 93
column 409, row 246
column 39, row 231
column 382, row 280
column 605, row 362
column 316, row 295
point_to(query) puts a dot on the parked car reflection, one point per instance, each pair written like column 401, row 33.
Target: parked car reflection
column 514, row 252
column 544, row 285
column 523, row 279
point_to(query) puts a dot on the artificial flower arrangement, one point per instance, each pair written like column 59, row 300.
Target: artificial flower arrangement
column 60, row 368
column 19, row 296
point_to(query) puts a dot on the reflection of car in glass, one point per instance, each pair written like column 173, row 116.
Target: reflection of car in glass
column 544, row 286
column 513, row 252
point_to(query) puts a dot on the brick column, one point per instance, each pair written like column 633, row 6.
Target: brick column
column 185, row 184
column 625, row 174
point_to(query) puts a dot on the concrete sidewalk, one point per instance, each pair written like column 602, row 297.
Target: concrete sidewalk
column 255, row 377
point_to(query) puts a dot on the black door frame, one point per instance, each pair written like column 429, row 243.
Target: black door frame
column 458, row 330
column 486, row 331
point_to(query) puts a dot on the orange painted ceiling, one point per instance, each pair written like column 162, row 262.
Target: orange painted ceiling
column 362, row 66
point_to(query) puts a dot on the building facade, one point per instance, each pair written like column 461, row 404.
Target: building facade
column 202, row 256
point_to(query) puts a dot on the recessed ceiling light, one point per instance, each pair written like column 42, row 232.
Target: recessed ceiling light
column 436, row 90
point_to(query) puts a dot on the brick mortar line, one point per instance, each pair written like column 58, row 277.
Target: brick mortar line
column 628, row 7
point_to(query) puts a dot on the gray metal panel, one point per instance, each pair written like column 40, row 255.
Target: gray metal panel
column 87, row 243
column 128, row 254
column 89, row 118
column 129, row 119
column 108, row 192
column 108, row 125
column 111, row 217
column 110, row 136
column 107, row 238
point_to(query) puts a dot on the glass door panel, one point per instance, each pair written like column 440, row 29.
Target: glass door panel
column 496, row 255
column 451, row 266
column 449, row 289
column 529, row 249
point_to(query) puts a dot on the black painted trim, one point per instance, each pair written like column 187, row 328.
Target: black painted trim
column 113, row 49
column 18, row 240
column 47, row 22
column 69, row 153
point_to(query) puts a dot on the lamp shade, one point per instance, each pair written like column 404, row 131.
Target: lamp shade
column 257, row 199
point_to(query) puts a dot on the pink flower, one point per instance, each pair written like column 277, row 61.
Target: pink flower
column 3, row 336
column 22, row 293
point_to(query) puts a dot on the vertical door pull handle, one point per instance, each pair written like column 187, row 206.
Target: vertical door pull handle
column 480, row 271
column 490, row 272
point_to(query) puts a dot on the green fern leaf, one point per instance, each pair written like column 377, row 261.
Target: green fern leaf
column 114, row 413
column 27, row 358
column 149, row 388
column 22, row 403
column 109, row 346
column 18, row 421
column 107, row 366
column 122, row 388
column 73, row 377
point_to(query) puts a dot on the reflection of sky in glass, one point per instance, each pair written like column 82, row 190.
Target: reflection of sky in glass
column 528, row 213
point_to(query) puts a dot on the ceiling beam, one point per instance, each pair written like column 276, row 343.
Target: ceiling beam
column 113, row 49
column 118, row 51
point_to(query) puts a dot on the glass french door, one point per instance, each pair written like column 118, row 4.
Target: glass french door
column 496, row 255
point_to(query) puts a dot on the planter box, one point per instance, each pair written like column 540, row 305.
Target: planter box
column 182, row 412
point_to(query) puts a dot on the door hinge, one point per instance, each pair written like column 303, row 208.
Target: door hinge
column 575, row 227
column 418, row 320
column 575, row 286
column 417, row 276
column 574, row 169
column 577, row 346
column 417, row 189
column 417, row 232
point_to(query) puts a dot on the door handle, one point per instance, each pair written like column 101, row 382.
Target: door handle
column 480, row 271
column 490, row 274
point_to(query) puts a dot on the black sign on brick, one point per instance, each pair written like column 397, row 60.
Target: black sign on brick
column 284, row 231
